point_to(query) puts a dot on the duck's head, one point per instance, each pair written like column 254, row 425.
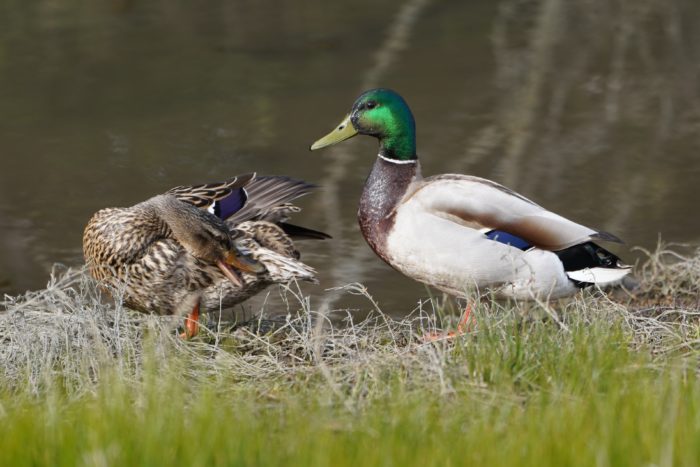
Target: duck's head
column 205, row 236
column 381, row 113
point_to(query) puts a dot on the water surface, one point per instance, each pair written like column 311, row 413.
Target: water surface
column 592, row 110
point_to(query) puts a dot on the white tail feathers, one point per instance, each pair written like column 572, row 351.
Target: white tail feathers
column 601, row 276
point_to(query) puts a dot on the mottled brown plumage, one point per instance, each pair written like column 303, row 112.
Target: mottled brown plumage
column 160, row 256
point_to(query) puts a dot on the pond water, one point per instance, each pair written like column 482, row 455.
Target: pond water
column 590, row 108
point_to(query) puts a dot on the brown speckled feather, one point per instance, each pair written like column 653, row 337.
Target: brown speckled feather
column 146, row 263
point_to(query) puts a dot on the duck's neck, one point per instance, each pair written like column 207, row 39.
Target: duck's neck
column 385, row 187
column 399, row 145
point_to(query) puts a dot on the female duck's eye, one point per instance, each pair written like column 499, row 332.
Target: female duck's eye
column 371, row 104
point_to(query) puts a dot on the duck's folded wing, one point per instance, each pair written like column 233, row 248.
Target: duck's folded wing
column 485, row 205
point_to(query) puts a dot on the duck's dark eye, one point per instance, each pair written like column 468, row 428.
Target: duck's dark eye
column 371, row 104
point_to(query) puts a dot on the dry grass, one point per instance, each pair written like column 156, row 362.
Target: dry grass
column 70, row 333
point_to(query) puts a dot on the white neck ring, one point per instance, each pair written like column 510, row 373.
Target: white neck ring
column 396, row 161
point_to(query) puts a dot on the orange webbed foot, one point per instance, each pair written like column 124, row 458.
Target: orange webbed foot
column 463, row 327
column 191, row 323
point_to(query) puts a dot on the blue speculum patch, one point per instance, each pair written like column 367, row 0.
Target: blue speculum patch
column 226, row 207
column 508, row 239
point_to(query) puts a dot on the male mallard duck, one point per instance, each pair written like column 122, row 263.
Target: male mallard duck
column 211, row 245
column 456, row 232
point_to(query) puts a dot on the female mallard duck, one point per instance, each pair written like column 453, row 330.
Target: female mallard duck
column 456, row 232
column 212, row 245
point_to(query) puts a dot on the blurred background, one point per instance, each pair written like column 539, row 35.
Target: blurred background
column 590, row 108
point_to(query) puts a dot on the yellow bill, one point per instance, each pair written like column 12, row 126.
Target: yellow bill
column 342, row 132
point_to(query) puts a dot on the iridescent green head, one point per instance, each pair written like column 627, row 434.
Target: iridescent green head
column 381, row 113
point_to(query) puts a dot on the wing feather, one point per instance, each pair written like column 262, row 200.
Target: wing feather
column 204, row 195
column 483, row 204
column 267, row 194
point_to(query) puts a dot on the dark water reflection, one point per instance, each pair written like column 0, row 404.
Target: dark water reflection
column 590, row 108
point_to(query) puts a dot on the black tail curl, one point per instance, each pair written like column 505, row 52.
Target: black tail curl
column 587, row 255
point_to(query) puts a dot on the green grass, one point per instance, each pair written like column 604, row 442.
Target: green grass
column 587, row 382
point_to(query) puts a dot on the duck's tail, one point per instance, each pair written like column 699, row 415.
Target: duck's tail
column 588, row 263
column 283, row 269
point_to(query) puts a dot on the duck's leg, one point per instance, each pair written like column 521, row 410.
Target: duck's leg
column 462, row 327
column 191, row 323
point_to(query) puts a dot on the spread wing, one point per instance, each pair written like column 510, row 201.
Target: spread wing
column 222, row 199
column 485, row 205
column 268, row 199
column 248, row 197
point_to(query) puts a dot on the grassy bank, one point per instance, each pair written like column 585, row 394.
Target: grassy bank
column 591, row 381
